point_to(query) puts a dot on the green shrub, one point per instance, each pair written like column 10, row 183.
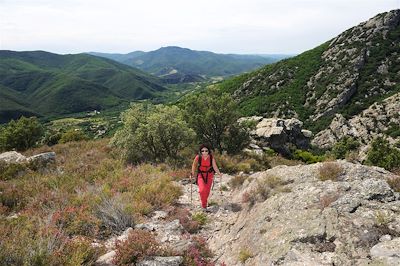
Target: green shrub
column 21, row 134
column 72, row 135
column 152, row 133
column 383, row 155
column 342, row 148
column 200, row 217
column 307, row 157
column 237, row 137
column 11, row 170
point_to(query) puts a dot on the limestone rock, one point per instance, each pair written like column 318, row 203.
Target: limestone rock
column 278, row 134
column 12, row 157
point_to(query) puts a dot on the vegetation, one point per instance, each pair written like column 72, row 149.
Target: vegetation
column 190, row 62
column 213, row 116
column 59, row 214
column 152, row 134
column 330, row 171
column 307, row 157
column 244, row 254
column 20, row 134
column 46, row 84
column 344, row 146
column 383, row 154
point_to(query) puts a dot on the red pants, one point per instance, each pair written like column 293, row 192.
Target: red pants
column 204, row 189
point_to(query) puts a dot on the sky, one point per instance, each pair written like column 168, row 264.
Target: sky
column 229, row 26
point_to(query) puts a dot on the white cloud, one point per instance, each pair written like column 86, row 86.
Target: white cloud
column 252, row 26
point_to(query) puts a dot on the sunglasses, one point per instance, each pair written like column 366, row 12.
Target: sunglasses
column 204, row 150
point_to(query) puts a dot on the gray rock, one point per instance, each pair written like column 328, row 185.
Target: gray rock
column 106, row 259
column 388, row 251
column 42, row 158
column 12, row 157
column 279, row 134
column 162, row 261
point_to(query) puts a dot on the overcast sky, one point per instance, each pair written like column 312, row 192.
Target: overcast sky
column 229, row 26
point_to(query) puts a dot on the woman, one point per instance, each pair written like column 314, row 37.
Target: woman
column 205, row 164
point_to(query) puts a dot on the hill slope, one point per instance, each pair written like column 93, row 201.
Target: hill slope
column 45, row 84
column 168, row 62
column 344, row 75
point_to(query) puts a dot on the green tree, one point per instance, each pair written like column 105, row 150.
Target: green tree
column 383, row 155
column 152, row 133
column 213, row 115
column 21, row 134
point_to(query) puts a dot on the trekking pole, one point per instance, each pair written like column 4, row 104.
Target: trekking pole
column 191, row 184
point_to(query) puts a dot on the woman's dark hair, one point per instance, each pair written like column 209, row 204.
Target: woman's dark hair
column 205, row 146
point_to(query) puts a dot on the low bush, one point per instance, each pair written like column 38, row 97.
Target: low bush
column 185, row 219
column 245, row 162
column 140, row 244
column 344, row 146
column 237, row 181
column 394, row 183
column 200, row 217
column 113, row 216
column 72, row 135
column 244, row 254
column 382, row 154
column 198, row 253
column 330, row 171
column 307, row 157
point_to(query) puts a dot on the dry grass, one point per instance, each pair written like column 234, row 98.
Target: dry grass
column 330, row 171
column 90, row 195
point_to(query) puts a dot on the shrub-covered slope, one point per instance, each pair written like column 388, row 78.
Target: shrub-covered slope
column 344, row 75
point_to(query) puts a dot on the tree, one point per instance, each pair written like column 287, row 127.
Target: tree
column 21, row 134
column 211, row 114
column 152, row 133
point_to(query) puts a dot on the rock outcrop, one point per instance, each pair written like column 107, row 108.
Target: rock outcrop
column 278, row 134
column 375, row 121
column 351, row 221
column 345, row 75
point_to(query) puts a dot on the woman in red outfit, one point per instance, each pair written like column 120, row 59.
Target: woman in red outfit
column 205, row 172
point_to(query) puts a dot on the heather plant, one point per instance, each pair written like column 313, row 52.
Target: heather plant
column 198, row 253
column 186, row 220
column 140, row 244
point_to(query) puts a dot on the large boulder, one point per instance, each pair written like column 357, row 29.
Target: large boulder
column 281, row 135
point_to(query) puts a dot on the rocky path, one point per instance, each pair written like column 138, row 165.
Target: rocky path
column 222, row 211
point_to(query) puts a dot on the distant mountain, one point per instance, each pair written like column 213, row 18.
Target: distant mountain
column 344, row 81
column 43, row 84
column 175, row 64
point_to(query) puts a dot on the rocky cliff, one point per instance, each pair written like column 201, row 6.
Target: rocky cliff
column 345, row 75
